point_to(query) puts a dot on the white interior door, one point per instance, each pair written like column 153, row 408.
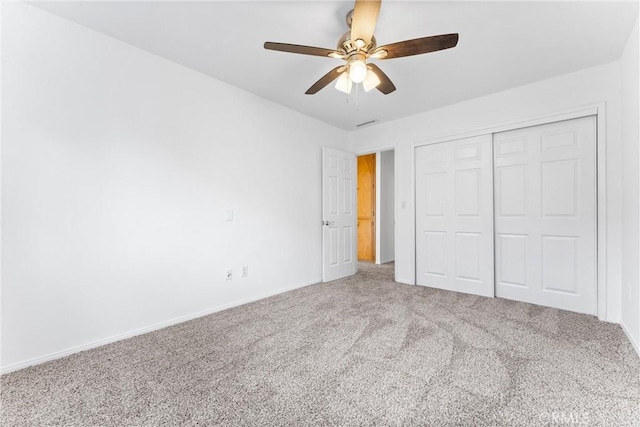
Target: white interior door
column 454, row 216
column 338, row 214
column 545, row 207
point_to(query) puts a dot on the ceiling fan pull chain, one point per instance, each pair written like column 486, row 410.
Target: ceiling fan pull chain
column 348, row 86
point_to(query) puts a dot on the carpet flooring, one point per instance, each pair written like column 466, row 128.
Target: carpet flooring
column 358, row 351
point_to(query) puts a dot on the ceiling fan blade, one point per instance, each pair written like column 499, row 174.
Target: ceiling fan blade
column 419, row 46
column 325, row 80
column 386, row 86
column 365, row 17
column 296, row 48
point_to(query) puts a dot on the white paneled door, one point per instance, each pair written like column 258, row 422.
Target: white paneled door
column 454, row 216
column 338, row 214
column 545, row 215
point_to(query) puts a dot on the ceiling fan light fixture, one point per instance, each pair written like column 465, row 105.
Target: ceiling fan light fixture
column 344, row 83
column 371, row 81
column 358, row 45
column 358, row 70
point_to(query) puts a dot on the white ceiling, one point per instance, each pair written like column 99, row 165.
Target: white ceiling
column 502, row 45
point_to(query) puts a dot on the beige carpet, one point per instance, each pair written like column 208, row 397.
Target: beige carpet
column 363, row 350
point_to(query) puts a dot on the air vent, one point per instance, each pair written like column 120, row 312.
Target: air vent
column 366, row 123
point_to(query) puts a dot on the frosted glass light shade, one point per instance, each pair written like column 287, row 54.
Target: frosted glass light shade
column 344, row 83
column 357, row 71
column 371, row 81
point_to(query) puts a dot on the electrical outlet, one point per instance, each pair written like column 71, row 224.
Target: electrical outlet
column 229, row 274
column 245, row 271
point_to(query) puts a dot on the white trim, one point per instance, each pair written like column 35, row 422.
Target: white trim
column 574, row 113
column 395, row 210
column 598, row 110
column 145, row 329
column 412, row 224
column 633, row 342
column 377, row 150
column 376, row 218
column 601, row 211
column 1, row 150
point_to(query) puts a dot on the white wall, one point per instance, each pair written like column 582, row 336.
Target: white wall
column 586, row 87
column 117, row 171
column 630, row 189
column 386, row 207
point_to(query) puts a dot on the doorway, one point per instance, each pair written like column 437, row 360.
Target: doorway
column 367, row 207
column 376, row 207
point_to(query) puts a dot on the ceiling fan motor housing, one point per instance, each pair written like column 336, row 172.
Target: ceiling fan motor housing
column 346, row 46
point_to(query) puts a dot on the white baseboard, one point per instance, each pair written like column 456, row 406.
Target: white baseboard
column 635, row 345
column 150, row 328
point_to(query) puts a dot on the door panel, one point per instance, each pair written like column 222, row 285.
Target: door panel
column 559, row 255
column 511, row 260
column 559, row 188
column 467, row 189
column 511, row 182
column 366, row 207
column 436, row 248
column 454, row 216
column 434, row 194
column 468, row 256
column 338, row 213
column 545, row 204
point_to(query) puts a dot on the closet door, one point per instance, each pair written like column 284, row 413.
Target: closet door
column 545, row 215
column 454, row 216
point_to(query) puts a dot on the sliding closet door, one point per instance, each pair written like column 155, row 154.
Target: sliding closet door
column 545, row 215
column 454, row 216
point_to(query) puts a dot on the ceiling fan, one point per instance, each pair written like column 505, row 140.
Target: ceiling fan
column 359, row 45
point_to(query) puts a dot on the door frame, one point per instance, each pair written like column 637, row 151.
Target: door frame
column 599, row 111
